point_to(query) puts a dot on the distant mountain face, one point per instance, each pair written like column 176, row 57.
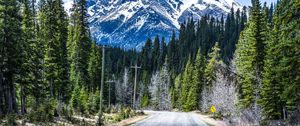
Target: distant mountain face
column 128, row 23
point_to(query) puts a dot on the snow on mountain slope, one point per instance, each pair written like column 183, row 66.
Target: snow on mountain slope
column 128, row 23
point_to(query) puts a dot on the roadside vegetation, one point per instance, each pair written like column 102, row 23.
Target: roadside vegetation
column 245, row 63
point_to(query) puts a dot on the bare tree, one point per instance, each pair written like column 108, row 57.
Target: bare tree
column 124, row 89
column 165, row 102
column 160, row 89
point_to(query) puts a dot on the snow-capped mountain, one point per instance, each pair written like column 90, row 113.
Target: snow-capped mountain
column 128, row 23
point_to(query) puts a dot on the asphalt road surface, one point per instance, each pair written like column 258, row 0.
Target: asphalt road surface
column 162, row 118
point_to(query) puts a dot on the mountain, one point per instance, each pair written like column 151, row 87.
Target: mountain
column 128, row 23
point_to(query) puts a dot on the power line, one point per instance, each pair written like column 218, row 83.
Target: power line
column 102, row 78
column 136, row 67
column 109, row 83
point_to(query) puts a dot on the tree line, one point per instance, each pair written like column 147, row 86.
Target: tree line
column 50, row 63
column 267, row 61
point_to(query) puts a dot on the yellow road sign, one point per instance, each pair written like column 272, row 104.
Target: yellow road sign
column 213, row 109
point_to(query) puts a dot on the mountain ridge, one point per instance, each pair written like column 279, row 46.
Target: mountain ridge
column 128, row 23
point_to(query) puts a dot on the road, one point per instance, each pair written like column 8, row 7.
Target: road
column 162, row 118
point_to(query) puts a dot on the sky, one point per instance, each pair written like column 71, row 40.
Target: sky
column 248, row 2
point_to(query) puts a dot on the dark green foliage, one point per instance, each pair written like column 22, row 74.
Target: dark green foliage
column 176, row 92
column 250, row 55
column 198, row 77
column 50, row 65
column 11, row 120
column 10, row 57
column 93, row 103
column 245, row 55
column 94, row 67
column 80, row 45
column 146, row 58
column 211, row 67
column 281, row 75
column 145, row 101
column 156, row 54
column 186, row 86
column 27, row 73
column 44, row 113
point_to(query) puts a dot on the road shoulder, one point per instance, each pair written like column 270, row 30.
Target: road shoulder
column 129, row 121
column 210, row 121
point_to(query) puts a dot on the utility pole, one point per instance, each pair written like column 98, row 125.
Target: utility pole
column 102, row 78
column 135, row 79
column 109, row 83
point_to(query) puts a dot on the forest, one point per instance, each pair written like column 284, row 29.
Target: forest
column 50, row 65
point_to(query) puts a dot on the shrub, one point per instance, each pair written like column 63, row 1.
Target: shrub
column 100, row 120
column 11, row 120
column 93, row 103
column 113, row 109
column 44, row 112
column 125, row 113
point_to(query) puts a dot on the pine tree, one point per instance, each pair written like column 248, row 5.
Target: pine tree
column 280, row 83
column 245, row 68
column 146, row 56
column 51, row 49
column 28, row 55
column 192, row 99
column 94, row 67
column 270, row 91
column 56, row 64
column 171, row 52
column 198, row 75
column 270, row 101
column 288, row 68
column 177, row 92
column 156, row 53
column 38, row 87
column 250, row 56
column 63, row 62
column 10, row 48
column 163, row 52
column 186, row 85
column 210, row 69
column 80, row 45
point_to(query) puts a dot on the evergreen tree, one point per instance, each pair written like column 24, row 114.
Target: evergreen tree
column 198, row 75
column 80, row 45
column 250, row 56
column 192, row 99
column 270, row 101
column 27, row 71
column 288, row 67
column 146, row 56
column 171, row 52
column 280, row 83
column 245, row 67
column 51, row 49
column 156, row 53
column 163, row 52
column 177, row 92
column 10, row 45
column 186, row 85
column 38, row 86
column 56, row 64
column 63, row 62
column 94, row 67
column 210, row 69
